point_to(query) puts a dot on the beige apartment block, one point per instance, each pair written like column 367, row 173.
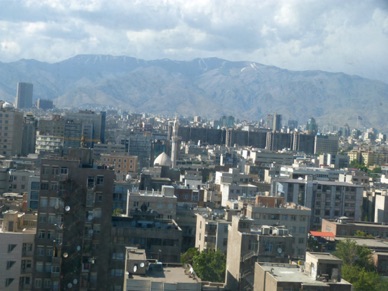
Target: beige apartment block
column 123, row 164
column 294, row 217
column 11, row 129
column 161, row 203
column 211, row 231
column 17, row 236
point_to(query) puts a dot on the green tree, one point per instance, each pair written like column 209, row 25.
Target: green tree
column 353, row 254
column 187, row 257
column 358, row 267
column 210, row 266
column 376, row 170
column 357, row 165
column 360, row 233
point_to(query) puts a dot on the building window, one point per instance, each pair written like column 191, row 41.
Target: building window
column 10, row 264
column 40, row 251
column 11, row 247
column 55, row 269
column 47, row 267
column 49, row 251
column 46, row 283
column 41, row 234
column 38, row 283
column 96, row 228
column 64, row 171
column 100, row 180
column 54, row 186
column 117, row 272
column 8, row 281
column 97, row 212
column 118, row 256
column 26, row 264
column 90, row 182
column 27, row 247
column 42, row 218
column 39, row 266
column 44, row 186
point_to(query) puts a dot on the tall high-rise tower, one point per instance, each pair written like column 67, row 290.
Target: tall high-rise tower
column 24, row 95
column 174, row 144
column 276, row 122
column 72, row 250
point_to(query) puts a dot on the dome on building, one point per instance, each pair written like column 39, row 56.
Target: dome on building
column 7, row 105
column 163, row 160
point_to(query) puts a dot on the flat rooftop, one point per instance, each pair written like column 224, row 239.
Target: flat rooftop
column 324, row 256
column 292, row 273
column 368, row 242
column 359, row 223
column 170, row 273
column 136, row 254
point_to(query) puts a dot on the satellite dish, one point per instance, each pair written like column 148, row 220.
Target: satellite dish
column 142, row 265
column 78, row 248
column 67, row 208
column 280, row 250
column 75, row 281
column 135, row 268
column 65, row 255
column 69, row 285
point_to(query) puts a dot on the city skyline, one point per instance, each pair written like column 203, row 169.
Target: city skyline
column 333, row 36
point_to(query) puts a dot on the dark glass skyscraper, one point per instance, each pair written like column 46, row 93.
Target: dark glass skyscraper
column 24, row 95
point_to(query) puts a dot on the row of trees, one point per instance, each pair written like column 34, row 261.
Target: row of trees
column 358, row 267
column 208, row 265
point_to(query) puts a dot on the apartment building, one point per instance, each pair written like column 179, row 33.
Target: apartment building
column 123, row 164
column 347, row 227
column 72, row 245
column 161, row 204
column 17, row 236
column 275, row 211
column 11, row 130
column 249, row 241
column 48, row 143
column 234, row 184
column 211, row 231
column 326, row 199
column 19, row 180
column 161, row 240
column 326, row 144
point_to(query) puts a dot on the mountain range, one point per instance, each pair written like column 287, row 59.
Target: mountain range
column 209, row 87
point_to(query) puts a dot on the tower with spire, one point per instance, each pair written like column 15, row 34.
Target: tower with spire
column 174, row 143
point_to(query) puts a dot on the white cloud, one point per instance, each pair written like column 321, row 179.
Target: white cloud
column 349, row 36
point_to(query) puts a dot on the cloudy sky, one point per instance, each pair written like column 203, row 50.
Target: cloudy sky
column 348, row 36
